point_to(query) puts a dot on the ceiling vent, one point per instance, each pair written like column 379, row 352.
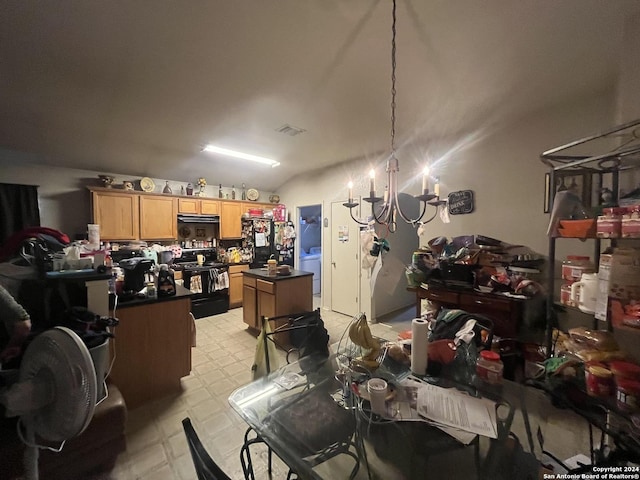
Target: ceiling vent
column 290, row 130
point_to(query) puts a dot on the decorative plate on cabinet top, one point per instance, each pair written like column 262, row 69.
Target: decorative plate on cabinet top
column 147, row 185
column 253, row 194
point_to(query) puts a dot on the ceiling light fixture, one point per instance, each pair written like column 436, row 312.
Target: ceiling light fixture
column 244, row 156
column 386, row 214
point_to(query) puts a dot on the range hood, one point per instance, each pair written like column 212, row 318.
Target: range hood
column 184, row 218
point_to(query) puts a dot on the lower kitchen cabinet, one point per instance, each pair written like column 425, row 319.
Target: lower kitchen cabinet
column 235, row 285
column 152, row 348
column 270, row 296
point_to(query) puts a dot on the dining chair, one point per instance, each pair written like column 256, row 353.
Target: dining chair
column 206, row 468
column 307, row 335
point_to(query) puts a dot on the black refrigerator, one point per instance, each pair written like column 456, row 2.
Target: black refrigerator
column 262, row 237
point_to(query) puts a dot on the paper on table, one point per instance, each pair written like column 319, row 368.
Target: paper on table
column 456, row 409
column 403, row 408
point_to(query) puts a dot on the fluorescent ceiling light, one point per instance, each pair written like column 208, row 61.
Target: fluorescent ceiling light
column 245, row 156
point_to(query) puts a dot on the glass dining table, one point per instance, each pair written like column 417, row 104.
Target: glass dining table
column 316, row 417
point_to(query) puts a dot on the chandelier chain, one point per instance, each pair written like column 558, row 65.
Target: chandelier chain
column 393, row 81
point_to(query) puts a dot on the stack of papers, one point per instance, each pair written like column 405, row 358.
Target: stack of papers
column 452, row 411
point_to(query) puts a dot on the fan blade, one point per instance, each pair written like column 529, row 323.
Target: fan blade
column 27, row 396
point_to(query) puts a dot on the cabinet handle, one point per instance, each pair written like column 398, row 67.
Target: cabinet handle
column 480, row 302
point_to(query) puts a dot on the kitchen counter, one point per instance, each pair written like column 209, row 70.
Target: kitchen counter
column 152, row 346
column 181, row 292
column 262, row 273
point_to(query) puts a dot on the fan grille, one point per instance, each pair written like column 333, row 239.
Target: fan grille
column 60, row 358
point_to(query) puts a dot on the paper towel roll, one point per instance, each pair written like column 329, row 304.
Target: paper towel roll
column 419, row 341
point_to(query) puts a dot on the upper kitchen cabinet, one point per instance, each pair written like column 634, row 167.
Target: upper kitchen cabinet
column 198, row 206
column 230, row 219
column 117, row 215
column 158, row 218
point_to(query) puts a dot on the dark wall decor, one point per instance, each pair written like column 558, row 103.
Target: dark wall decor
column 461, row 202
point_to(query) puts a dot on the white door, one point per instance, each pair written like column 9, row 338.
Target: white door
column 345, row 261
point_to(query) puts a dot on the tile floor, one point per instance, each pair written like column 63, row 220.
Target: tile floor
column 156, row 445
column 221, row 362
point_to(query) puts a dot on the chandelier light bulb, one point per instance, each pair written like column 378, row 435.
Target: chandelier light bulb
column 425, row 179
column 372, row 182
column 350, row 185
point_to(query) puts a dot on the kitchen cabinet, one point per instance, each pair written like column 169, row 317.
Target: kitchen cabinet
column 158, row 218
column 273, row 296
column 152, row 347
column 117, row 213
column 198, row 206
column 236, row 285
column 230, row 220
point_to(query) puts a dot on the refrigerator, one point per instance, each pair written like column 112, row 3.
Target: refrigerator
column 262, row 237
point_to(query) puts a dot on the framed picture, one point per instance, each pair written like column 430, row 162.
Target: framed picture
column 201, row 232
column 580, row 182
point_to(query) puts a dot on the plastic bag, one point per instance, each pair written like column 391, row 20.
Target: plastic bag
column 259, row 367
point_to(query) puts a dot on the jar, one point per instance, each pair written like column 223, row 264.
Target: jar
column 565, row 295
column 599, row 380
column 609, row 224
column 151, row 290
column 574, row 266
column 631, row 222
column 627, row 394
column 489, row 367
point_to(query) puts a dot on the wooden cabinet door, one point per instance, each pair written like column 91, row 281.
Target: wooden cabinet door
column 230, row 220
column 158, row 219
column 266, row 305
column 235, row 285
column 188, row 205
column 249, row 306
column 117, row 215
column 209, row 207
column 496, row 309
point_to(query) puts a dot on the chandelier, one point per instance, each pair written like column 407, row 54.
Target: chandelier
column 387, row 212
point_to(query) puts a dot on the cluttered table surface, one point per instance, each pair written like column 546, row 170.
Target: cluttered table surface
column 138, row 300
column 322, row 426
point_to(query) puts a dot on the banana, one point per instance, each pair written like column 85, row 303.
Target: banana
column 353, row 332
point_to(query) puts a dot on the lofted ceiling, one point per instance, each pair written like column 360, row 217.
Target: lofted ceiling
column 139, row 87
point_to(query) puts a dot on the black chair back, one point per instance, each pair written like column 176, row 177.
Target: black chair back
column 206, row 468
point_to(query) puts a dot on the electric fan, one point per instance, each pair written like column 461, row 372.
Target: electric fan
column 55, row 395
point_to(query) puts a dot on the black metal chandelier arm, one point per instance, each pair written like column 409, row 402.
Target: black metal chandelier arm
column 359, row 222
column 431, row 218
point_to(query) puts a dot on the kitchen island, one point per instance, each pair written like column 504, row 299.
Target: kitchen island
column 275, row 295
column 152, row 346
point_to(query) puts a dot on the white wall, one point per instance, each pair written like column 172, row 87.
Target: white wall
column 502, row 167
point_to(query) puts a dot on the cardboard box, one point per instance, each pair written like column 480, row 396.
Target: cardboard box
column 624, row 288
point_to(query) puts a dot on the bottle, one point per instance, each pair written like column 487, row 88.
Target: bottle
column 233, row 192
column 151, row 290
column 489, row 367
column 244, row 192
column 220, row 191
column 181, row 189
column 166, row 282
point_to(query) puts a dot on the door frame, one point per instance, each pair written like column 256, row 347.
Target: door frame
column 298, row 243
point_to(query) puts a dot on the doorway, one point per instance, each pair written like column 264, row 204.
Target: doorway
column 345, row 261
column 310, row 245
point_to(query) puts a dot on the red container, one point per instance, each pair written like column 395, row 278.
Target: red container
column 489, row 367
column 625, row 370
column 599, row 380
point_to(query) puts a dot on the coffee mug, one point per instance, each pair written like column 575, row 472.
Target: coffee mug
column 200, row 259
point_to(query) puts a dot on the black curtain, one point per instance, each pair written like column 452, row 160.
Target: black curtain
column 18, row 208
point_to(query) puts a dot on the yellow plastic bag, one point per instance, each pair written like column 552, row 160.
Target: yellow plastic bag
column 259, row 367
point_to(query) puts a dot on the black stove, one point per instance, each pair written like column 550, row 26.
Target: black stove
column 209, row 301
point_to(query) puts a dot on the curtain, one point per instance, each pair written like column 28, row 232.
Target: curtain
column 18, row 209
